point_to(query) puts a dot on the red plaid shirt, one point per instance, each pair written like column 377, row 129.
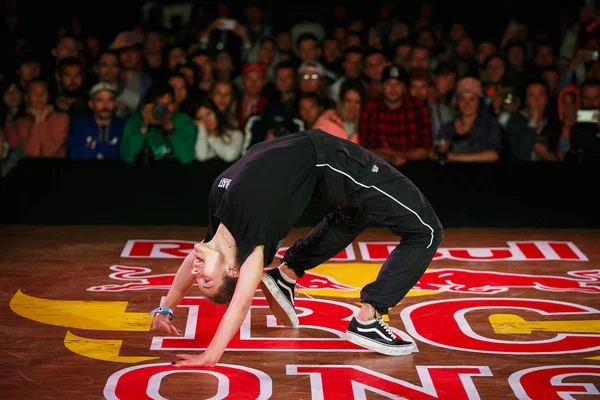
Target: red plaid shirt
column 373, row 94
column 405, row 128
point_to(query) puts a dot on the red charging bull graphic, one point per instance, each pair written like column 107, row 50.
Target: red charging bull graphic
column 134, row 276
column 314, row 281
column 140, row 278
column 435, row 280
column 489, row 282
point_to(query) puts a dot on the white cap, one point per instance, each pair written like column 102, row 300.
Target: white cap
column 309, row 67
column 100, row 86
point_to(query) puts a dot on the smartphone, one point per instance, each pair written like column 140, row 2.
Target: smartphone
column 509, row 97
column 588, row 116
column 227, row 24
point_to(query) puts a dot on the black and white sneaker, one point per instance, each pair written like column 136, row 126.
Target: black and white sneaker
column 279, row 292
column 377, row 335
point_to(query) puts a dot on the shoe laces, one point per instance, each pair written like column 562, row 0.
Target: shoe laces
column 385, row 326
column 299, row 289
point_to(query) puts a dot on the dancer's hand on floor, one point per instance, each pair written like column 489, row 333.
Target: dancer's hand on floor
column 200, row 360
column 162, row 322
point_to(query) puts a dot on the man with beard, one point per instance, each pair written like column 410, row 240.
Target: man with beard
column 65, row 47
column 396, row 126
column 72, row 100
column 97, row 135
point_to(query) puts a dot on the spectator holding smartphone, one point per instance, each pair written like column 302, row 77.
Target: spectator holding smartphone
column 532, row 134
column 584, row 140
column 227, row 34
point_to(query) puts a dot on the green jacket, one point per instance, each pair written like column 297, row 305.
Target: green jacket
column 179, row 146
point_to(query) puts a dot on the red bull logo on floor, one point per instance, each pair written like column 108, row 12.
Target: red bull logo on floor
column 343, row 277
column 533, row 250
column 517, row 317
column 346, row 280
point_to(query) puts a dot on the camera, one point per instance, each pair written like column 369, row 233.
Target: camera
column 160, row 112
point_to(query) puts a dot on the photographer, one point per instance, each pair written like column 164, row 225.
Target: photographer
column 157, row 132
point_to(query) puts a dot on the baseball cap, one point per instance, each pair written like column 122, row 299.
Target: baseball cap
column 101, row 86
column 395, row 72
column 469, row 84
column 278, row 116
column 254, row 66
column 311, row 67
column 127, row 39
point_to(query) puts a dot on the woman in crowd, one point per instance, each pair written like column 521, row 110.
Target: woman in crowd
column 215, row 139
column 349, row 105
column 225, row 96
column 11, row 109
column 44, row 131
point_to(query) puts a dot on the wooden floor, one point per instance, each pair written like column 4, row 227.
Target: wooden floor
column 500, row 314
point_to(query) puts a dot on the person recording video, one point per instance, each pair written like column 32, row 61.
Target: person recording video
column 530, row 132
column 157, row 132
column 582, row 143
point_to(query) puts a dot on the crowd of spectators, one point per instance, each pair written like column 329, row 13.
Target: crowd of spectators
column 405, row 87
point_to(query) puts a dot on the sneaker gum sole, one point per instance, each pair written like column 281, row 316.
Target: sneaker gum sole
column 280, row 307
column 379, row 347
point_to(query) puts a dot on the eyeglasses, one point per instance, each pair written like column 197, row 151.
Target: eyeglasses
column 311, row 76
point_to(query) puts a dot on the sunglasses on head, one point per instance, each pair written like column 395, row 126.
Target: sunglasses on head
column 311, row 76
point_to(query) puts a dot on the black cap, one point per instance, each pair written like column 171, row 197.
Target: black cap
column 278, row 116
column 395, row 72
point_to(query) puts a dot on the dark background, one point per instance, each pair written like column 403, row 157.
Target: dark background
column 483, row 18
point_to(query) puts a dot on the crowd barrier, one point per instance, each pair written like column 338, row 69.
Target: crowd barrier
column 510, row 195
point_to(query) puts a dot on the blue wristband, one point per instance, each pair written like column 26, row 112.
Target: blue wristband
column 564, row 144
column 164, row 311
